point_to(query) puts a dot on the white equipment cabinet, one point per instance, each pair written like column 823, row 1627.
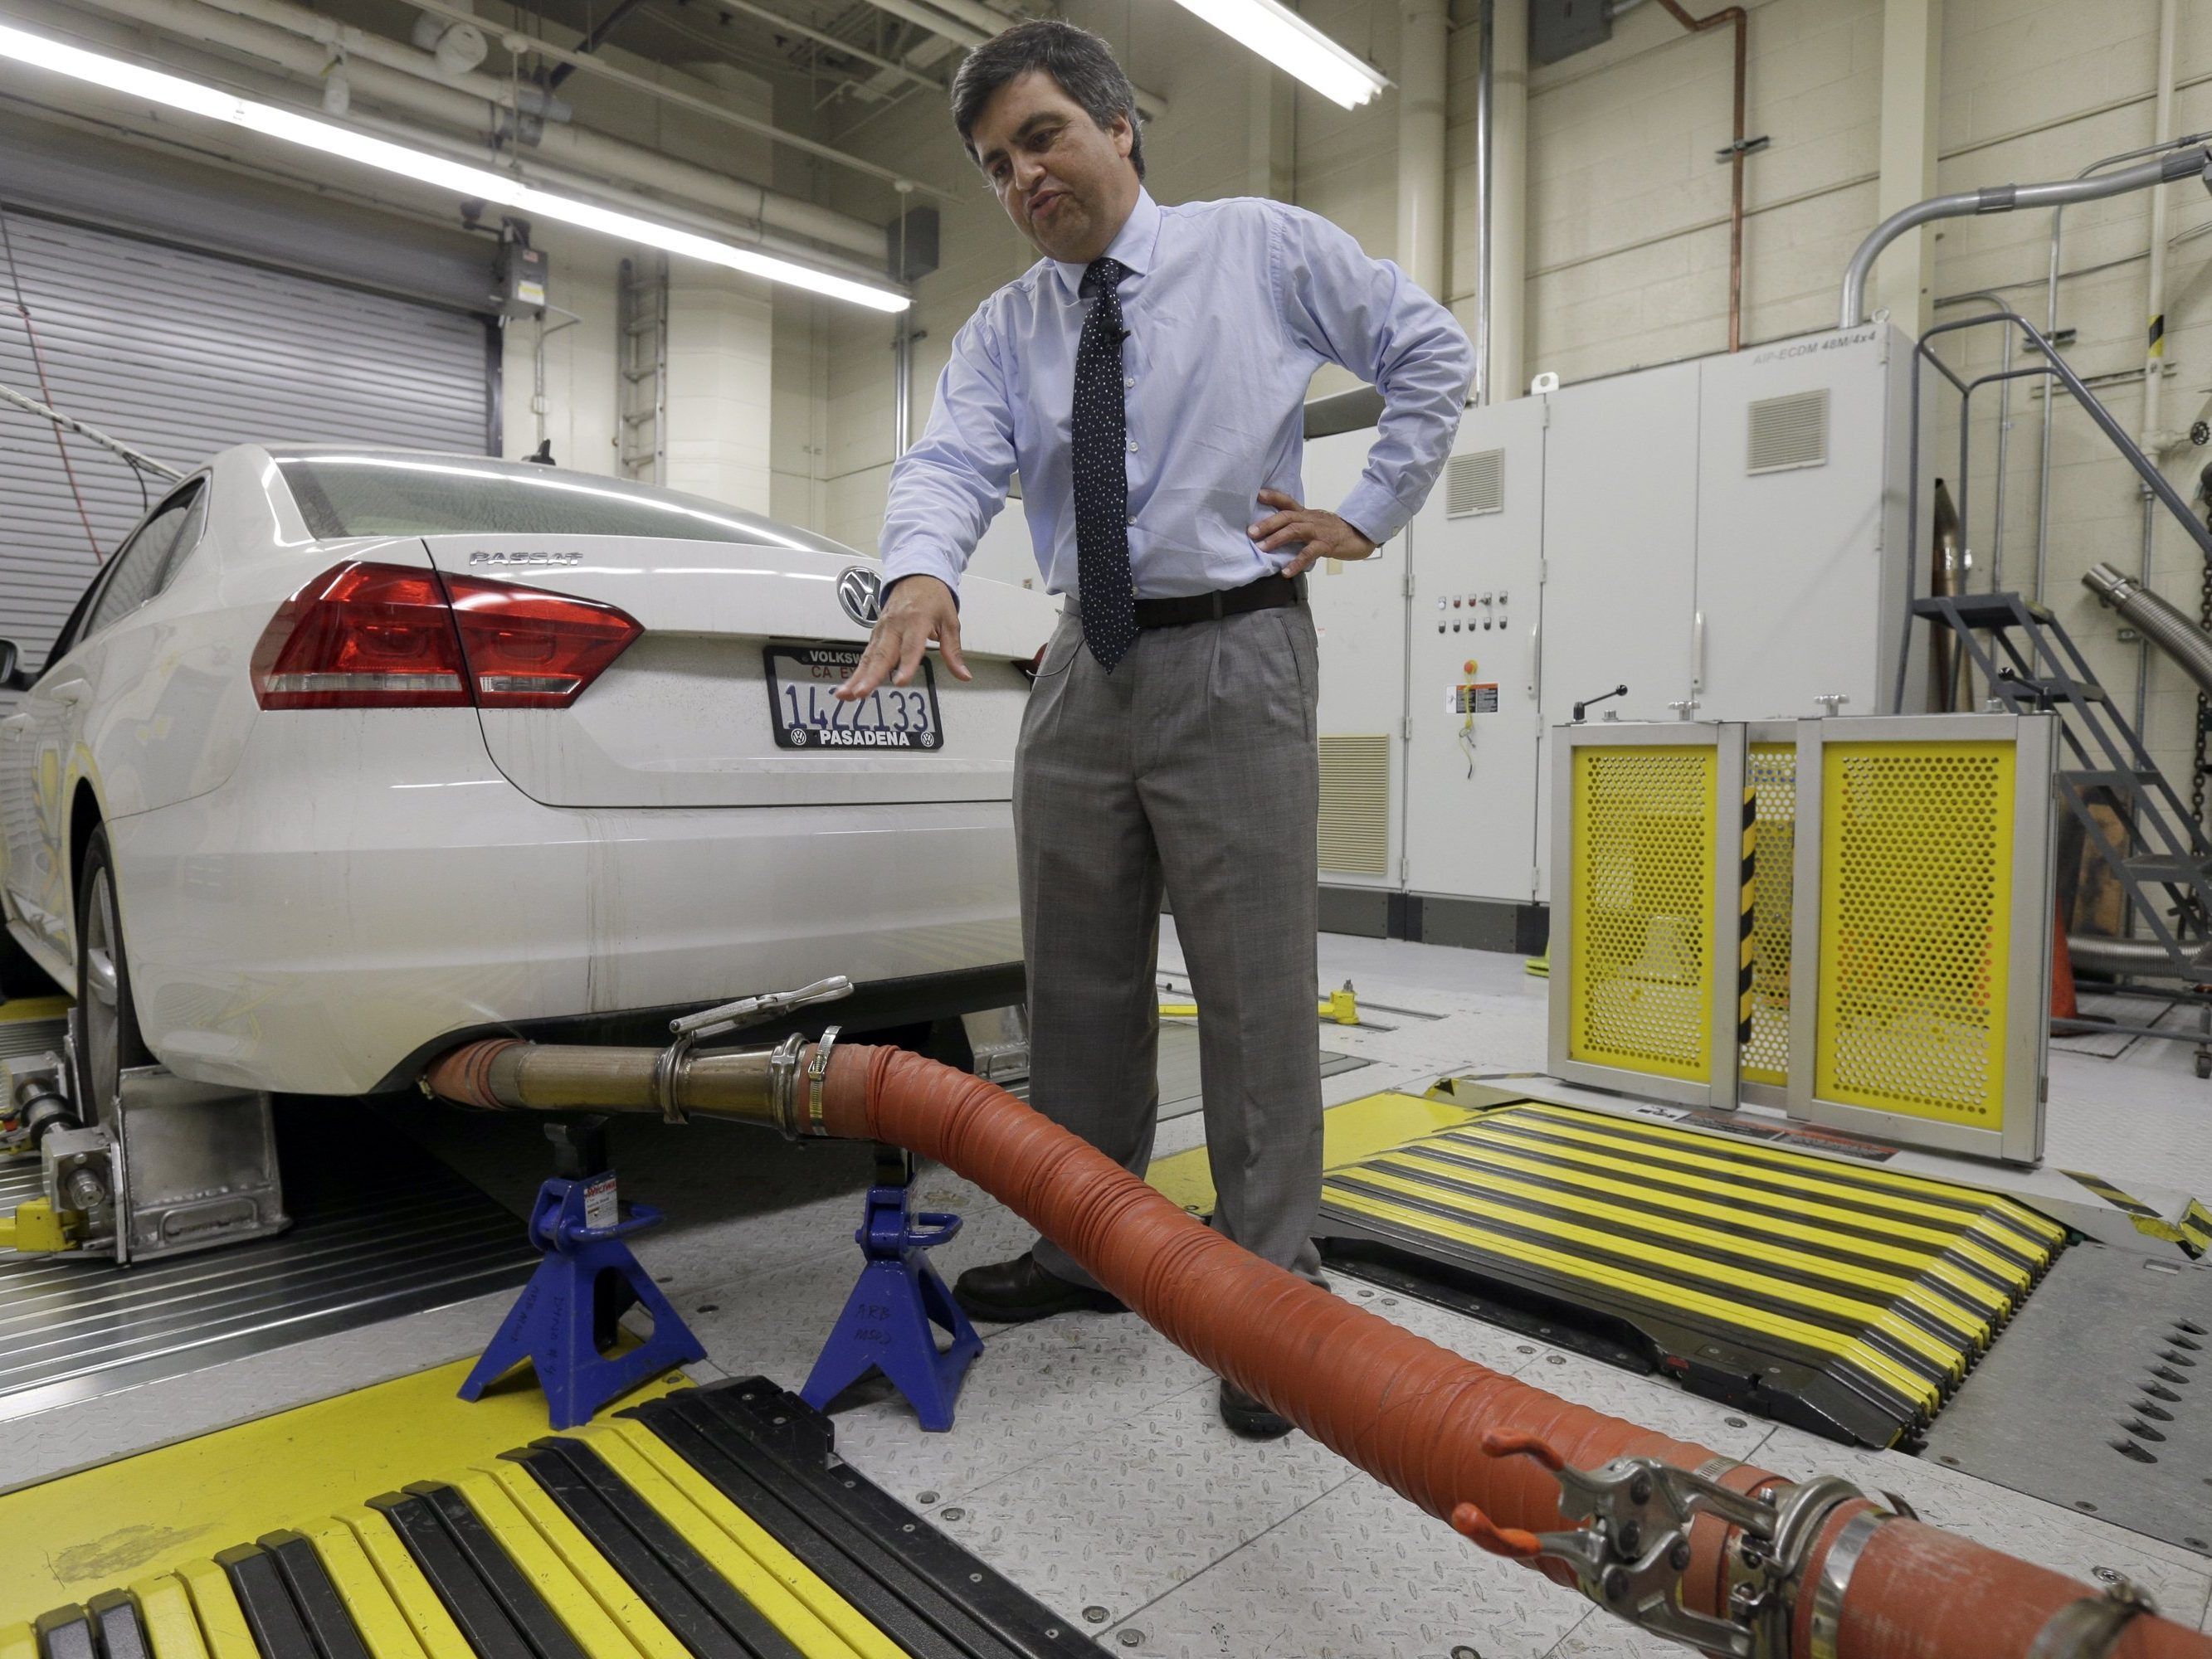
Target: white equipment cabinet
column 1724, row 537
column 1477, row 550
column 1359, row 619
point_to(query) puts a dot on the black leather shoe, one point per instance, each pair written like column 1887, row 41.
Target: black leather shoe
column 1246, row 1416
column 1014, row 1292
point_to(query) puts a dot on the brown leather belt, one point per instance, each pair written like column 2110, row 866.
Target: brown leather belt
column 1265, row 594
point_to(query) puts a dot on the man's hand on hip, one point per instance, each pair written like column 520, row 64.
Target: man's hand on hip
column 920, row 610
column 1324, row 535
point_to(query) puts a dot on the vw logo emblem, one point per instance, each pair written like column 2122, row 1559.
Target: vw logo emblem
column 861, row 592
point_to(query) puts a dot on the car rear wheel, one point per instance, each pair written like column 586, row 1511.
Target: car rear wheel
column 104, row 1023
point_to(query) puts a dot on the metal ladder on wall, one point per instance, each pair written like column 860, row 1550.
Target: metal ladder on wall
column 641, row 363
column 2163, row 863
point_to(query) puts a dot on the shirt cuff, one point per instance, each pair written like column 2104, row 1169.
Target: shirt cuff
column 1373, row 511
column 922, row 561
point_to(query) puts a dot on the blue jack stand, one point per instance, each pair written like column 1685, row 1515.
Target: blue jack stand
column 889, row 1320
column 565, row 1319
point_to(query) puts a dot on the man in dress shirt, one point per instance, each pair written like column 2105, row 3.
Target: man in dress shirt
column 1146, row 379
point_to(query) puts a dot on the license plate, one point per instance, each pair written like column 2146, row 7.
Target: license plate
column 805, row 715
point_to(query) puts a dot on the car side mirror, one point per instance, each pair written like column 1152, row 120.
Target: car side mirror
column 12, row 678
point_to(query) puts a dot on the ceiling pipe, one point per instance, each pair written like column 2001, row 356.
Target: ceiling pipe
column 1423, row 51
column 534, row 101
column 291, row 38
column 593, row 39
column 1734, row 17
column 1687, row 1543
column 970, row 25
column 1503, row 276
column 2004, row 198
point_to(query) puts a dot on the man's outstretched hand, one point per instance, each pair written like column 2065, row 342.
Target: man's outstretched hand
column 920, row 610
column 1324, row 535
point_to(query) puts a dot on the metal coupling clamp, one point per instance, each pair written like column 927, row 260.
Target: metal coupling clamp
column 2091, row 1627
column 1631, row 1544
column 690, row 1029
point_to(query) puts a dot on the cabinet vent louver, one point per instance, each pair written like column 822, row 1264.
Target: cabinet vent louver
column 1355, row 804
column 1790, row 432
column 1475, row 484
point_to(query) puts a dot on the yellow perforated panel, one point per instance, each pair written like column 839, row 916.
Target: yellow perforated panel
column 1916, row 894
column 1770, row 770
column 1642, row 973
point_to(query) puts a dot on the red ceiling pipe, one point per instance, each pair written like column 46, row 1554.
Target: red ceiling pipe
column 1734, row 15
column 1432, row 1426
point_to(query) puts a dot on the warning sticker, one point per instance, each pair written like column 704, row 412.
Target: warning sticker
column 600, row 1209
column 1477, row 699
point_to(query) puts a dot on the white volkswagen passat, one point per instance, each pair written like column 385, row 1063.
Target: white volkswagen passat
column 347, row 755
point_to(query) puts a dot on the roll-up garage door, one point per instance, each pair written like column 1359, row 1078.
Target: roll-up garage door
column 180, row 354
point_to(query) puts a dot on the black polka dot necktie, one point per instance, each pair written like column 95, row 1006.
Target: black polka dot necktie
column 1106, row 599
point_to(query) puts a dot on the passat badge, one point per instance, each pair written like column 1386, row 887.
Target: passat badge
column 861, row 592
column 538, row 557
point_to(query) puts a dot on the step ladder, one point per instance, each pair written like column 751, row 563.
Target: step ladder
column 2031, row 666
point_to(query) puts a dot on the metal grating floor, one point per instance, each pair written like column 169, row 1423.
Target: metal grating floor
column 380, row 1229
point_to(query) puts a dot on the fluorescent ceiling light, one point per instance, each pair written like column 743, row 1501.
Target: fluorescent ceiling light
column 1294, row 45
column 479, row 183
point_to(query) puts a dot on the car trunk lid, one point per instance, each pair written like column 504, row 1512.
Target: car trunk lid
column 683, row 718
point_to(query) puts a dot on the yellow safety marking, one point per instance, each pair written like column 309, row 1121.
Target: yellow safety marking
column 384, row 1628
column 608, row 1587
column 1948, row 1225
column 155, row 1511
column 776, row 1593
column 1341, row 1007
column 1922, row 1261
column 1357, row 1130
column 21, row 1642
column 22, row 1008
column 2005, row 1270
column 410, row 1591
column 572, row 1602
column 854, row 1627
column 165, row 1609
column 1898, row 1287
column 1870, row 1315
column 222, row 1623
column 1855, row 1177
column 1819, row 1338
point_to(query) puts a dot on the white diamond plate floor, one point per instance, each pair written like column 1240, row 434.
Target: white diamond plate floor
column 1087, row 1462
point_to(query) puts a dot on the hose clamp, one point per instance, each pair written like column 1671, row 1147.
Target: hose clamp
column 817, row 1069
column 2091, row 1627
column 783, row 1069
column 667, row 1071
column 1630, row 1545
column 1835, row 1580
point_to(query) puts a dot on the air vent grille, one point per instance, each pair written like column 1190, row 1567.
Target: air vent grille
column 1475, row 484
column 1355, row 804
column 1790, row 432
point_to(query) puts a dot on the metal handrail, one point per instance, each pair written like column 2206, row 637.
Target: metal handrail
column 2056, row 369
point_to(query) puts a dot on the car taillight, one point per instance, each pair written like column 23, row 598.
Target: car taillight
column 529, row 648
column 365, row 635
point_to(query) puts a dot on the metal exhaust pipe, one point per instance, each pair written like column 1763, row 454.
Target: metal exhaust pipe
column 2163, row 624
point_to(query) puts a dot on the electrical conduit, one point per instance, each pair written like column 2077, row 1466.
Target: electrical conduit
column 1436, row 1428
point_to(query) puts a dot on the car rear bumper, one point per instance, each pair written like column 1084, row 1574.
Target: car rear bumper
column 304, row 929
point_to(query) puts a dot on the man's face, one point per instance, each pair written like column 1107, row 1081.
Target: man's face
column 1066, row 184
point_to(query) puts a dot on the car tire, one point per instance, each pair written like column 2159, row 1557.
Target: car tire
column 103, row 1023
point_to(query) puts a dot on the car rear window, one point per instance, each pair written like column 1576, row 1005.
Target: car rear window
column 343, row 495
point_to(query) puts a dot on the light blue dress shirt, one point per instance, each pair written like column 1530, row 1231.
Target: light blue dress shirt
column 1230, row 307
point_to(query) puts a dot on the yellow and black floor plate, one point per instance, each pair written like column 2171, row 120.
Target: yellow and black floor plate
column 1847, row 1300
column 715, row 1523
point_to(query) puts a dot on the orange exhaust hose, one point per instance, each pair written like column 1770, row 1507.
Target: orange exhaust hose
column 1411, row 1414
